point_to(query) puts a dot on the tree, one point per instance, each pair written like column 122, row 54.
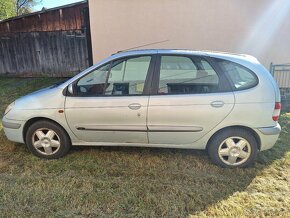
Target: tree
column 10, row 8
column 25, row 6
column 7, row 9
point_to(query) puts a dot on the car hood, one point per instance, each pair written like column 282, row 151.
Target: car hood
column 47, row 98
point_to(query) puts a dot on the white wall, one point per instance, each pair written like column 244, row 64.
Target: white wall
column 257, row 27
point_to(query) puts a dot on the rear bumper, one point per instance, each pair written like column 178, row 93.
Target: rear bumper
column 275, row 130
column 13, row 129
column 269, row 136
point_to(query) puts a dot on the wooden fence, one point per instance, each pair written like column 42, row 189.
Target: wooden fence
column 57, row 53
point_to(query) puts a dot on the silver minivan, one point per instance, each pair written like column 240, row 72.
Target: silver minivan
column 227, row 104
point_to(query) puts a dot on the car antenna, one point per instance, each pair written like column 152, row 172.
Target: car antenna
column 153, row 43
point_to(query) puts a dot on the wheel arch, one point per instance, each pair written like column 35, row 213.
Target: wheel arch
column 36, row 119
column 248, row 129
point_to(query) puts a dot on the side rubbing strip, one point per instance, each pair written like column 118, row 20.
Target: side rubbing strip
column 158, row 128
column 118, row 128
column 109, row 130
column 143, row 129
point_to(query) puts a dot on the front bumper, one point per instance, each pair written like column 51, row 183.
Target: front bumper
column 269, row 136
column 13, row 129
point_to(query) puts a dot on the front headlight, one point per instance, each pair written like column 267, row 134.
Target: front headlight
column 10, row 106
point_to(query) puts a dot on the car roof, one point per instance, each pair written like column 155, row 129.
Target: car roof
column 217, row 54
column 155, row 51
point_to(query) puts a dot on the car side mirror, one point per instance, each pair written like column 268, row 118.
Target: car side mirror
column 70, row 89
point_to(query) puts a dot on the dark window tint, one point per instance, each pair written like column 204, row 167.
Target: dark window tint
column 241, row 77
column 183, row 75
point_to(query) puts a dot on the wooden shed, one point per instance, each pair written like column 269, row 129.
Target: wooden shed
column 54, row 42
column 67, row 17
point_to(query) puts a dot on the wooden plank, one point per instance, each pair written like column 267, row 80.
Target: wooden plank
column 13, row 26
column 9, row 51
column 78, row 18
column 32, row 50
column 71, row 18
column 2, row 58
column 57, row 53
column 57, row 20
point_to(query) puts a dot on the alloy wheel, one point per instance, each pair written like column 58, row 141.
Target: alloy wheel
column 234, row 151
column 46, row 141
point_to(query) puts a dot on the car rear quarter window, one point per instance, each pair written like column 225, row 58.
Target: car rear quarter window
column 240, row 76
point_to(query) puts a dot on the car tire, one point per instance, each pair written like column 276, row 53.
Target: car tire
column 233, row 148
column 47, row 140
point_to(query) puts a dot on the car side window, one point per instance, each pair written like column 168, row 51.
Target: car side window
column 241, row 77
column 121, row 77
column 183, row 75
column 93, row 83
column 128, row 77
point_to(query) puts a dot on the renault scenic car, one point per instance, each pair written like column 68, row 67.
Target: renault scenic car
column 227, row 104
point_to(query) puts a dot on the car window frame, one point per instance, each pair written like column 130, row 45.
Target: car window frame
column 223, row 80
column 147, row 82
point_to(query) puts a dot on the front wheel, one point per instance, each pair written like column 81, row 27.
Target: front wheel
column 232, row 148
column 47, row 140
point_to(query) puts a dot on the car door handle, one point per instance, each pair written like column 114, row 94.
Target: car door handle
column 217, row 104
column 134, row 106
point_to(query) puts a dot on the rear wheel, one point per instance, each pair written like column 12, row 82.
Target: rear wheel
column 233, row 148
column 47, row 140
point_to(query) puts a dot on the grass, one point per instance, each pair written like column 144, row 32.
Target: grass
column 137, row 182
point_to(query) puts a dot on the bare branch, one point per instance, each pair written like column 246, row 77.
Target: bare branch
column 23, row 6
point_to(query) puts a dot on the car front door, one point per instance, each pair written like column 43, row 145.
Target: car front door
column 110, row 104
column 191, row 98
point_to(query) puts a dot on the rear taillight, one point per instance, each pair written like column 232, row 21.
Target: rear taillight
column 277, row 111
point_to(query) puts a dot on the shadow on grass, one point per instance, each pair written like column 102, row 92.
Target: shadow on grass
column 195, row 180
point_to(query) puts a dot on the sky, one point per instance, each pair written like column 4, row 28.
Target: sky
column 53, row 3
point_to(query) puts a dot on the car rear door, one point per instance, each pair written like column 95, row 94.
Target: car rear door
column 191, row 97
